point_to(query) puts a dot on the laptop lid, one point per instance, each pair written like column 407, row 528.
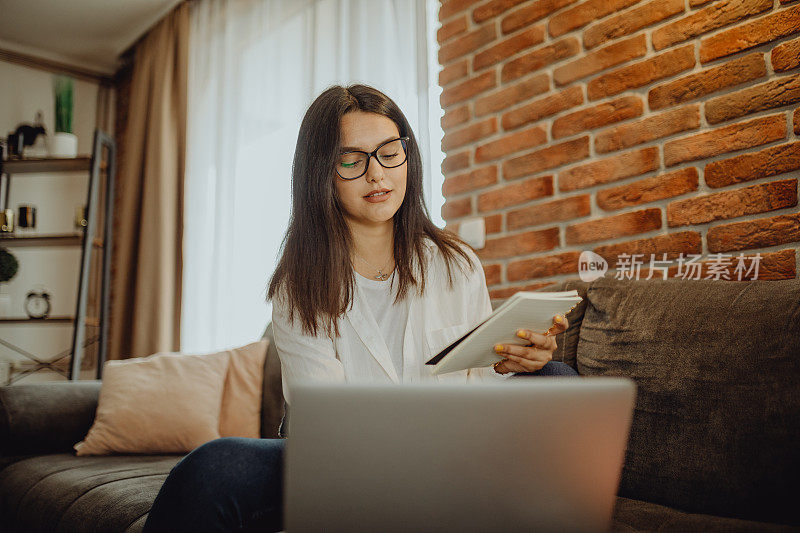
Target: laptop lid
column 536, row 453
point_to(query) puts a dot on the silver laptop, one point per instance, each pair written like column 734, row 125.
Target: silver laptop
column 535, row 454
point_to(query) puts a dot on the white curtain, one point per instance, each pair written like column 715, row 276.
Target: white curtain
column 254, row 68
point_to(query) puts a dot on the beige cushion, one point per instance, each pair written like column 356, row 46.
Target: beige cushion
column 163, row 403
column 240, row 414
column 173, row 402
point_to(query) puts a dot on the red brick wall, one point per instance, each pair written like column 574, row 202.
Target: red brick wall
column 621, row 126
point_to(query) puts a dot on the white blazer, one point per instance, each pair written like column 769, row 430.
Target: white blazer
column 359, row 354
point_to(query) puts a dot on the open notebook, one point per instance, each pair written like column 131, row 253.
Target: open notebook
column 524, row 310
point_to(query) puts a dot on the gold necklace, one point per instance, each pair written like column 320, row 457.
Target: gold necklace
column 381, row 276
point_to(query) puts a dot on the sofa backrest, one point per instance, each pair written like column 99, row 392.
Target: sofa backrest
column 716, row 427
column 46, row 417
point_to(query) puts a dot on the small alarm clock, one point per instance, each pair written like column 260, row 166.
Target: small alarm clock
column 37, row 304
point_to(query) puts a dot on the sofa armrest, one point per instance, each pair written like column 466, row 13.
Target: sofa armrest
column 47, row 417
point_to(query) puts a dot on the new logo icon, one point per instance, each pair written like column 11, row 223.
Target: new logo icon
column 591, row 266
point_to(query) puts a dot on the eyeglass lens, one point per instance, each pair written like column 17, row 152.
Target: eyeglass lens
column 354, row 164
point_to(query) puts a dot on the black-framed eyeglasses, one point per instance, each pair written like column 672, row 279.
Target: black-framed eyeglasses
column 354, row 164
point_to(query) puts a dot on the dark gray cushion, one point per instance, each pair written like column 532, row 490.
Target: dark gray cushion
column 567, row 342
column 65, row 493
column 46, row 417
column 272, row 404
column 717, row 422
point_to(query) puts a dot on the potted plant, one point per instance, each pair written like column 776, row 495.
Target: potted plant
column 63, row 143
column 8, row 269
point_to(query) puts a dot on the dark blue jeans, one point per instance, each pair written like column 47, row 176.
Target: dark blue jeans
column 227, row 484
column 552, row 368
column 236, row 484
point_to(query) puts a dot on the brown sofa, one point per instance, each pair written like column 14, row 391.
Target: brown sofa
column 713, row 446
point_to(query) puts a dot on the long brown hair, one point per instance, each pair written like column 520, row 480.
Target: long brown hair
column 315, row 271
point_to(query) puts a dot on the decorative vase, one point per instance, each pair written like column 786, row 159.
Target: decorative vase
column 63, row 145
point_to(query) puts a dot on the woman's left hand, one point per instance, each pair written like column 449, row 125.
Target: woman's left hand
column 533, row 356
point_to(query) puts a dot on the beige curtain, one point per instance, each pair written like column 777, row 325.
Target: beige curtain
column 147, row 239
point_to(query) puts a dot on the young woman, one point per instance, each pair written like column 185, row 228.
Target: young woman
column 367, row 289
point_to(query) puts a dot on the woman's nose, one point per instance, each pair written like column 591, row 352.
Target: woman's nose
column 374, row 171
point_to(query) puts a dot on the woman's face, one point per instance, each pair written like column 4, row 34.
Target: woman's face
column 365, row 132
